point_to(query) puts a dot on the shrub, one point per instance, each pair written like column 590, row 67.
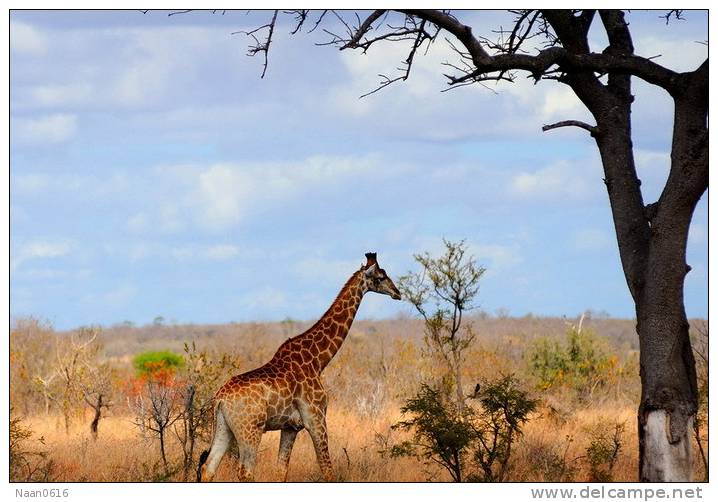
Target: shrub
column 151, row 362
column 505, row 408
column 472, row 444
column 440, row 434
column 551, row 462
column 606, row 441
column 26, row 464
column 442, row 293
column 581, row 362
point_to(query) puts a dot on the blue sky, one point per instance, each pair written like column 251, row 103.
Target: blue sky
column 154, row 173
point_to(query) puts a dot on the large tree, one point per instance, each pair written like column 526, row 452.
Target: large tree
column 652, row 237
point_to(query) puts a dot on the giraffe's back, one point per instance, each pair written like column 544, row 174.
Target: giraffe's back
column 264, row 396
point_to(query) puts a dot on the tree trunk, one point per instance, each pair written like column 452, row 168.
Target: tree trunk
column 669, row 396
column 162, row 449
column 96, row 420
column 190, row 431
column 652, row 246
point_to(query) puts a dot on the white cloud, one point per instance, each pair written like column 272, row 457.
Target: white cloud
column 223, row 195
column 651, row 159
column 560, row 181
column 148, row 66
column 55, row 95
column 140, row 251
column 138, row 222
column 496, row 256
column 46, row 129
column 26, row 39
column 679, row 55
column 65, row 184
column 44, row 274
column 561, row 102
column 143, row 250
column 38, row 250
column 221, row 252
column 332, row 271
column 32, row 182
column 652, row 168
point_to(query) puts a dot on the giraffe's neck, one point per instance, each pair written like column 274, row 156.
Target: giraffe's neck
column 329, row 332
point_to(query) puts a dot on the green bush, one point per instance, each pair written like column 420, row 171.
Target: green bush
column 473, row 443
column 440, row 433
column 606, row 442
column 505, row 408
column 581, row 362
column 153, row 361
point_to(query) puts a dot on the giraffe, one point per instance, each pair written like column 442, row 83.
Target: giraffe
column 286, row 393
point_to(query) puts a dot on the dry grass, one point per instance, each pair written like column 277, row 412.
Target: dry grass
column 121, row 454
column 379, row 366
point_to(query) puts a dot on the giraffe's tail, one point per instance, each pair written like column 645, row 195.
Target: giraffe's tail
column 202, row 459
column 205, row 454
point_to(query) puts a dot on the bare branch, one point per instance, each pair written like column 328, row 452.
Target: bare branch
column 594, row 130
column 299, row 16
column 363, row 29
column 319, row 20
column 538, row 64
column 676, row 13
column 385, row 81
column 261, row 46
column 175, row 12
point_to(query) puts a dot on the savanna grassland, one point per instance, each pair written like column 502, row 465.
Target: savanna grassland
column 582, row 427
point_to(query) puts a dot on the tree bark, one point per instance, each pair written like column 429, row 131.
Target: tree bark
column 96, row 420
column 652, row 246
column 669, row 397
column 162, row 449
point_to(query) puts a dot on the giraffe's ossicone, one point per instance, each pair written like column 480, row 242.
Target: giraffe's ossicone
column 286, row 393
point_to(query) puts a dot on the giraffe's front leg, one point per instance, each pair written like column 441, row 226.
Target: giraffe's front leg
column 314, row 419
column 286, row 442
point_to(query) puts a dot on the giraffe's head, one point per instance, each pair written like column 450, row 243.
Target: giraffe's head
column 376, row 280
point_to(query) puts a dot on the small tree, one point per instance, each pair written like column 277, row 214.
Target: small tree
column 442, row 292
column 606, row 442
column 32, row 365
column 198, row 379
column 505, row 408
column 440, row 436
column 473, row 443
column 26, row 463
column 158, row 395
column 96, row 387
column 75, row 368
column 580, row 362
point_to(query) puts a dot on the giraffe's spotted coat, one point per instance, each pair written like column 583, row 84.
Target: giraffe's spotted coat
column 286, row 393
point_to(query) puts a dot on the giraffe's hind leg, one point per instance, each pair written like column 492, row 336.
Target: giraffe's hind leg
column 247, row 445
column 286, row 442
column 220, row 443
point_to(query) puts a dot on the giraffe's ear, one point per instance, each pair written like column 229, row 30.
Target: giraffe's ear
column 370, row 270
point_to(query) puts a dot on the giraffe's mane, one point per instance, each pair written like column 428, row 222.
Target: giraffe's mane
column 342, row 291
